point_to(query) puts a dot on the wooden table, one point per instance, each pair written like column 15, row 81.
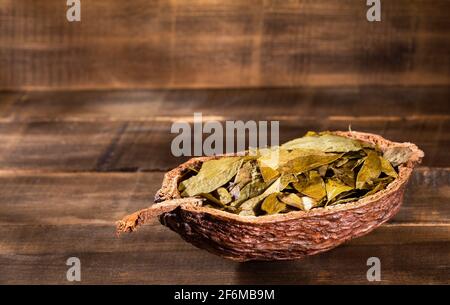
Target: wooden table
column 73, row 162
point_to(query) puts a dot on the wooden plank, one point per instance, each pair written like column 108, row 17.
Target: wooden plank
column 112, row 146
column 240, row 43
column 61, row 199
column 37, row 254
column 8, row 102
column 427, row 194
column 74, row 198
column 57, row 146
column 337, row 103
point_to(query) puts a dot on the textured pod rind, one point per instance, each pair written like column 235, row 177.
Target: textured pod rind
column 280, row 240
column 287, row 236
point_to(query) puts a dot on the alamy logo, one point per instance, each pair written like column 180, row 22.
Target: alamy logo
column 74, row 11
column 73, row 274
column 374, row 272
column 374, row 12
column 190, row 142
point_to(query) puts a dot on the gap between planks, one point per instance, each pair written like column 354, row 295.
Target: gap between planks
column 190, row 119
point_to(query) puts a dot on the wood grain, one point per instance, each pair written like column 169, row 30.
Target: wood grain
column 119, row 146
column 128, row 131
column 355, row 103
column 37, row 254
column 213, row 44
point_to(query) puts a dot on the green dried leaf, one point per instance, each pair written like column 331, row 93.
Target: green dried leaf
column 224, row 195
column 216, row 203
column 182, row 186
column 380, row 186
column 212, row 175
column 313, row 186
column 311, row 134
column 303, row 203
column 286, row 179
column 357, row 163
column 307, row 161
column 270, row 157
column 385, row 180
column 270, row 161
column 324, row 143
column 268, row 173
column 387, row 168
column 345, row 174
column 272, row 205
column 247, row 208
column 252, row 189
column 211, row 198
column 370, row 170
column 335, row 187
column 342, row 161
column 246, row 173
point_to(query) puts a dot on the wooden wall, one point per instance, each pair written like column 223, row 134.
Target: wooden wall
column 220, row 44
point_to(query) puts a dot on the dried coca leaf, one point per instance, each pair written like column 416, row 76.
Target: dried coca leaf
column 387, row 180
column 384, row 181
column 370, row 170
column 286, row 179
column 269, row 173
column 345, row 173
column 379, row 186
column 291, row 199
column 245, row 173
column 342, row 161
column 307, row 161
column 252, row 189
column 224, row 195
column 212, row 175
column 324, row 143
column 216, row 203
column 357, row 163
column 268, row 163
column 387, row 168
column 247, row 208
column 303, row 203
column 335, row 187
column 313, row 186
column 272, row 205
column 271, row 160
column 352, row 155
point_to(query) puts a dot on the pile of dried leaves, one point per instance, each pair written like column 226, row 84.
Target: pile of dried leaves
column 316, row 170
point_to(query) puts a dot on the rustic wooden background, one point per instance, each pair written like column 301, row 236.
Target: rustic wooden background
column 232, row 43
column 86, row 110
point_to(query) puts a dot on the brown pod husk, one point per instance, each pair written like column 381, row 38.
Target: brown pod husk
column 292, row 235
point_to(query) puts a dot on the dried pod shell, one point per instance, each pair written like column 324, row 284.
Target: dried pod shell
column 286, row 236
